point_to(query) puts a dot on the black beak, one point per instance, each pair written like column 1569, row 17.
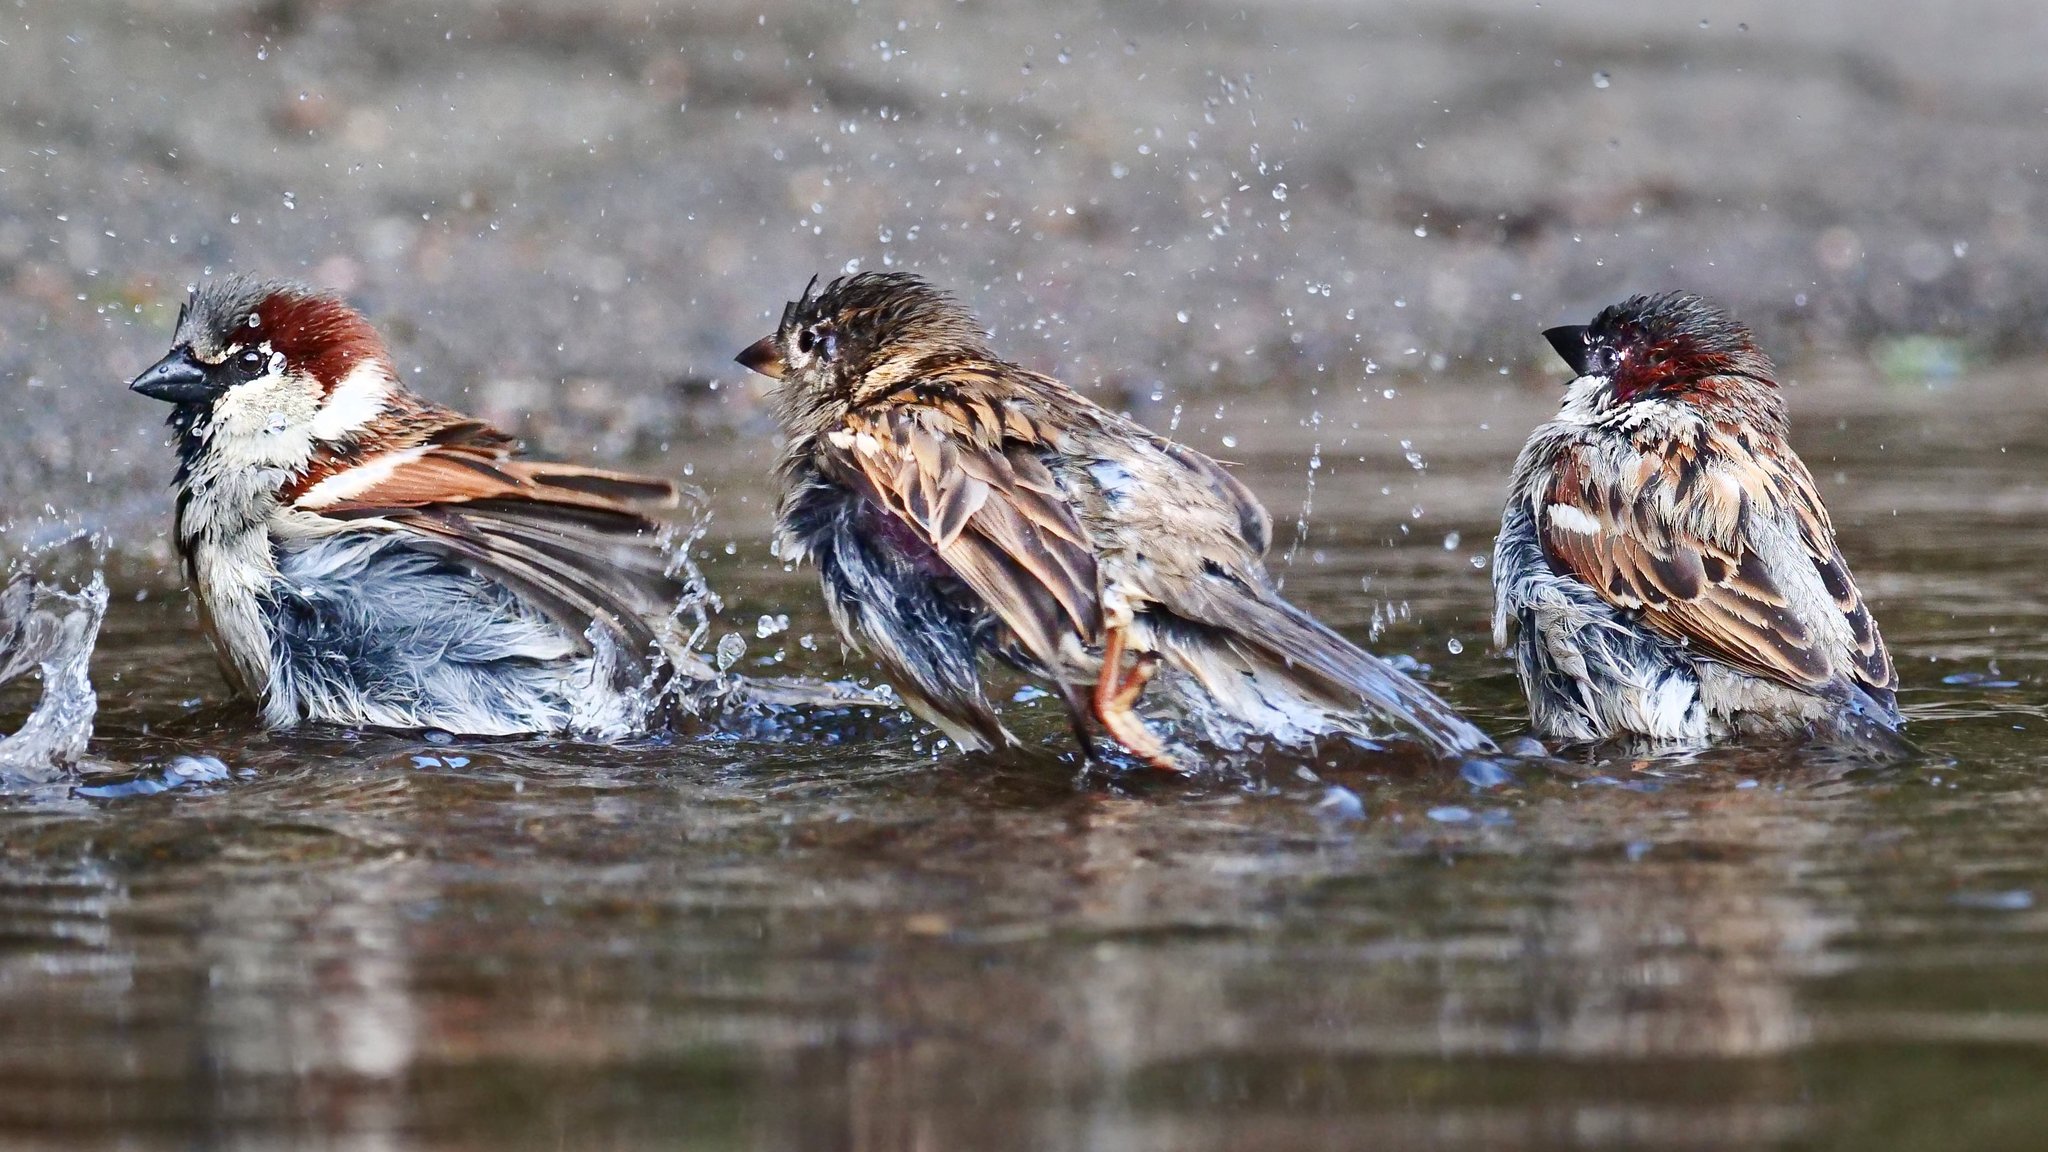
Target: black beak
column 762, row 356
column 177, row 379
column 1570, row 342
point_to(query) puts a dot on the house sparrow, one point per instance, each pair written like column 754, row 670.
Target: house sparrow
column 362, row 556
column 1664, row 559
column 955, row 503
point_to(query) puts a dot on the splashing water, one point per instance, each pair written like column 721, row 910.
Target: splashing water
column 52, row 630
column 702, row 684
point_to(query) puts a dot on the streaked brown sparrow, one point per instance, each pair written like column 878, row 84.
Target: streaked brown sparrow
column 957, row 504
column 1664, row 564
column 362, row 556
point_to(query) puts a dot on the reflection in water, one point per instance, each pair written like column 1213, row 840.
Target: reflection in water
column 364, row 942
column 1188, row 982
column 1689, row 950
column 309, row 982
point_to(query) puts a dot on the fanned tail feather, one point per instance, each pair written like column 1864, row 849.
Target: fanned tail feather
column 1276, row 663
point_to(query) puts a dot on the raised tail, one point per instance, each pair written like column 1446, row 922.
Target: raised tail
column 1279, row 669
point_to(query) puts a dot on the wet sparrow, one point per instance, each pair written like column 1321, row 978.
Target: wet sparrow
column 363, row 556
column 1664, row 561
column 955, row 504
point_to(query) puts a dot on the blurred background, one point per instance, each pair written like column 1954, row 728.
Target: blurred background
column 1317, row 238
column 569, row 214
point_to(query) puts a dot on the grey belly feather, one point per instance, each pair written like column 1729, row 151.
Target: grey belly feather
column 368, row 629
column 1589, row 674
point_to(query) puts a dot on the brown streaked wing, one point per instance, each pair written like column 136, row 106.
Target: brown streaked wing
column 576, row 542
column 1870, row 658
column 958, row 473
column 1695, row 577
column 574, row 566
column 469, row 462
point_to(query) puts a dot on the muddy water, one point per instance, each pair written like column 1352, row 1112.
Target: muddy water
column 837, row 938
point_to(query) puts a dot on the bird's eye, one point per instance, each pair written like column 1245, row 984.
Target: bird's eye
column 821, row 341
column 1603, row 361
column 252, row 363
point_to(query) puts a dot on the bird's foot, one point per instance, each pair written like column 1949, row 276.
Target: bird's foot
column 1117, row 689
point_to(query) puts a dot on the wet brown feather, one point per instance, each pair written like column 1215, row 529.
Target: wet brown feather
column 964, row 475
column 1692, row 575
column 584, row 544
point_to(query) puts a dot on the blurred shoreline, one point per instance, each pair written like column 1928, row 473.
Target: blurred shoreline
column 568, row 215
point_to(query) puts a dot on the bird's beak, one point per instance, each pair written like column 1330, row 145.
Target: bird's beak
column 1570, row 342
column 177, row 379
column 762, row 356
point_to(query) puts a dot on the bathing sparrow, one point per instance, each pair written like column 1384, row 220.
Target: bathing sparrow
column 956, row 504
column 1665, row 568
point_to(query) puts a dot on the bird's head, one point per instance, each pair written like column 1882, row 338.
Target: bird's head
column 863, row 338
column 272, row 359
column 1660, row 347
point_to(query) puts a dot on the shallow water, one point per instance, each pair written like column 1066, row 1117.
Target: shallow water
column 798, row 942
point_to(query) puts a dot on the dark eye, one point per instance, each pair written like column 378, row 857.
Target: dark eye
column 251, row 363
column 823, row 342
column 1602, row 361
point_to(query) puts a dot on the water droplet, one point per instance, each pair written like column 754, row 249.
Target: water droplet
column 1484, row 774
column 1451, row 542
column 768, row 626
column 731, row 647
column 1454, row 647
column 1340, row 804
column 1279, row 191
column 1602, row 79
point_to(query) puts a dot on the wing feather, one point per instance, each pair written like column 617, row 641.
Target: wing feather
column 581, row 544
column 1677, row 539
column 963, row 473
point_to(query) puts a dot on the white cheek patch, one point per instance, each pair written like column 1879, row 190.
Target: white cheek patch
column 359, row 398
column 358, row 480
column 1584, row 400
column 1566, row 518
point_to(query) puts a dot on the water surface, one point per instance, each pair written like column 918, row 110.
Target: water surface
column 846, row 938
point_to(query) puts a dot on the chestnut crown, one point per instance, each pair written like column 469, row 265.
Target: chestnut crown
column 1648, row 344
column 237, row 330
